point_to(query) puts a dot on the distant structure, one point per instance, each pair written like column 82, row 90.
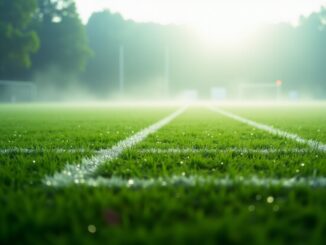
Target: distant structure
column 219, row 93
column 17, row 91
column 252, row 91
column 189, row 95
column 294, row 95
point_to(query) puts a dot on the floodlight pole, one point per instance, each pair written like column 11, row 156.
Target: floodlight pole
column 278, row 89
column 121, row 70
column 278, row 93
column 167, row 71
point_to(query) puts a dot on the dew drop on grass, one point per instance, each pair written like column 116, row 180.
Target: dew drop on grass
column 181, row 162
column 251, row 208
column 91, row 229
column 34, row 161
column 131, row 182
column 183, row 174
column 302, row 164
column 276, row 208
column 270, row 199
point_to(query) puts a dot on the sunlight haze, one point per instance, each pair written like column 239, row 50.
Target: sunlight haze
column 192, row 11
column 223, row 21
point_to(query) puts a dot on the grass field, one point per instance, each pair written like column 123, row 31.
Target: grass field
column 148, row 175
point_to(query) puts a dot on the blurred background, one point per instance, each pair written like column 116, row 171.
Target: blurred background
column 65, row 50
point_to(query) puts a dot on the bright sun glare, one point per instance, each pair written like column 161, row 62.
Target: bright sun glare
column 227, row 26
column 225, row 34
column 227, row 22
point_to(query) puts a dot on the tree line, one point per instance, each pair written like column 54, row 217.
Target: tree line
column 45, row 40
column 38, row 34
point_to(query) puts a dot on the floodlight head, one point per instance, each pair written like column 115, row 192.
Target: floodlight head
column 279, row 83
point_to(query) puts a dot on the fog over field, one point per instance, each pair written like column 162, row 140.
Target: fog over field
column 114, row 50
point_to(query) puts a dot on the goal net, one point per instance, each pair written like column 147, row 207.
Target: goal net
column 17, row 91
column 259, row 91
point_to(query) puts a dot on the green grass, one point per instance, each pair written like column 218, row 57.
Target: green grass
column 32, row 213
column 307, row 121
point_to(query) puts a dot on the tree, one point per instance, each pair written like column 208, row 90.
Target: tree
column 17, row 42
column 144, row 44
column 63, row 39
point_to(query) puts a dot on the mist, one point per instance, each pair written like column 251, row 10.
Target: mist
column 110, row 58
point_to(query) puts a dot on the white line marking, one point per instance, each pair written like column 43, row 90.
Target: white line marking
column 163, row 151
column 227, row 150
column 312, row 143
column 193, row 181
column 41, row 151
column 80, row 172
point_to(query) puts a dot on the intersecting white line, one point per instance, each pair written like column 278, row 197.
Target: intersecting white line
column 312, row 143
column 264, row 151
column 192, row 181
column 17, row 150
column 80, row 172
column 244, row 150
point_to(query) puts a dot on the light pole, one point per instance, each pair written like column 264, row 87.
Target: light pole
column 279, row 84
column 167, row 72
column 121, row 70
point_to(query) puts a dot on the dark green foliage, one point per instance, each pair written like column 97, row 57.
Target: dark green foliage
column 17, row 42
column 63, row 39
column 145, row 47
column 52, row 28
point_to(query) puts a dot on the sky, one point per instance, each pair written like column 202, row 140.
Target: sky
column 214, row 18
column 192, row 11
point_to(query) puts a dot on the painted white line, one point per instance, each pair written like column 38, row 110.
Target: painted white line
column 163, row 151
column 193, row 181
column 42, row 151
column 312, row 143
column 226, row 150
column 80, row 172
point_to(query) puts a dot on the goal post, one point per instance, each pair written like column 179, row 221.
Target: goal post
column 17, row 91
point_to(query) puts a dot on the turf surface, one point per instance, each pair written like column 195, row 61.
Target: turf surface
column 32, row 213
